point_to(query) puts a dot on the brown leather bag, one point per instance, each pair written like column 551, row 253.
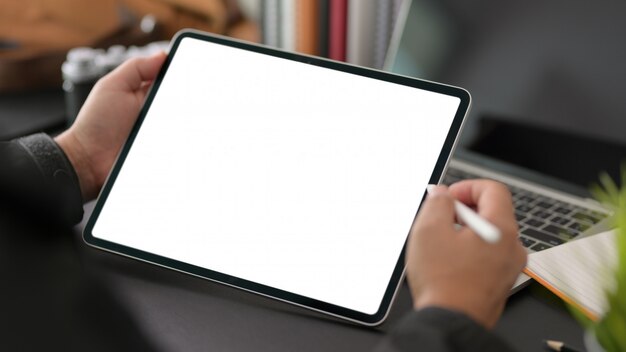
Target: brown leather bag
column 35, row 35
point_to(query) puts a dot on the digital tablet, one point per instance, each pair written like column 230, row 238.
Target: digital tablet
column 286, row 175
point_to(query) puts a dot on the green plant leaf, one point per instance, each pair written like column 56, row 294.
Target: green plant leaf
column 610, row 331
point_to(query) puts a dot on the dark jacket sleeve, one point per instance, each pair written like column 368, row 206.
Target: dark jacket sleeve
column 36, row 174
column 441, row 330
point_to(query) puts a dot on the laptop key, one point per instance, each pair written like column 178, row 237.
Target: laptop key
column 562, row 210
column 525, row 197
column 586, row 217
column 542, row 214
column 540, row 246
column 599, row 215
column 544, row 205
column 526, row 242
column 542, row 236
column 561, row 231
column 560, row 220
column 535, row 222
column 577, row 226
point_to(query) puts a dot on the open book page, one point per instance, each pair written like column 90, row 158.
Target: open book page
column 579, row 271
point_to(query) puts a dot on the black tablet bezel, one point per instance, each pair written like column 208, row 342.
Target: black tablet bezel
column 338, row 311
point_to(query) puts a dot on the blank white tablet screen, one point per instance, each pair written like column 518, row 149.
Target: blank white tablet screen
column 290, row 175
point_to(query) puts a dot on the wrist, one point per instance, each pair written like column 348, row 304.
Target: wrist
column 80, row 162
column 479, row 309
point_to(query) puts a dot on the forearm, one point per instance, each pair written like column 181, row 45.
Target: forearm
column 37, row 176
column 440, row 330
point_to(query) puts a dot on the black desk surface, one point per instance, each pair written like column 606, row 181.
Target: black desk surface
column 25, row 113
column 184, row 313
column 178, row 312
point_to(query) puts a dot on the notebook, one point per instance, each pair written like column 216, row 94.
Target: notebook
column 580, row 272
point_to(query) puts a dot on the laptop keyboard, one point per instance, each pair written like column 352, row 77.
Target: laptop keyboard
column 543, row 222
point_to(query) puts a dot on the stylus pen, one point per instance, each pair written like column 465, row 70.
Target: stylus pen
column 483, row 228
column 558, row 346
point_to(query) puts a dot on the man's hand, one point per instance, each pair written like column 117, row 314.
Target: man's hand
column 454, row 268
column 104, row 122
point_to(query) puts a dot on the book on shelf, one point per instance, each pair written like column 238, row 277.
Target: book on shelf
column 270, row 22
column 356, row 31
column 361, row 32
column 338, row 16
column 307, row 27
column 323, row 27
column 287, row 20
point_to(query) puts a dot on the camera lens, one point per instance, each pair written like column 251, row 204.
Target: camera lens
column 80, row 73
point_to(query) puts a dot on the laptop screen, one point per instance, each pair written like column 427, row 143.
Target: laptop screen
column 547, row 84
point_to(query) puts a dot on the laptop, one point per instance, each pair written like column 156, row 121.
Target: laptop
column 549, row 211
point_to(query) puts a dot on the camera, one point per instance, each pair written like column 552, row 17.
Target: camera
column 84, row 66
